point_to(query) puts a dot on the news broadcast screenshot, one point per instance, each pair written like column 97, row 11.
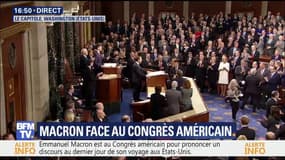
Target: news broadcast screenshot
column 142, row 80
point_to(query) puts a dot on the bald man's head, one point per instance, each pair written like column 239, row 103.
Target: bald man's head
column 100, row 106
column 270, row 136
column 84, row 51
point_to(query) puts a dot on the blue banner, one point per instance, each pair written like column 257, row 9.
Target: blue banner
column 135, row 131
column 38, row 10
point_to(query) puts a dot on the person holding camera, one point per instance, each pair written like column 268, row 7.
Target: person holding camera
column 233, row 94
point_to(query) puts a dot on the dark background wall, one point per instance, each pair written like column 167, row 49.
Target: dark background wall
column 168, row 6
column 115, row 9
column 247, row 6
column 209, row 7
column 277, row 6
column 139, row 7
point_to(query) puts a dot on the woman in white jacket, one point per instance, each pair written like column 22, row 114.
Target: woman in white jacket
column 223, row 81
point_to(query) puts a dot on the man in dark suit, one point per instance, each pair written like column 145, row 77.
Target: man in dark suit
column 254, row 53
column 130, row 63
column 236, row 60
column 241, row 71
column 190, row 65
column 194, row 44
column 273, row 81
column 280, row 133
column 262, row 72
column 89, row 83
column 179, row 79
column 272, row 101
column 173, row 69
column 174, row 99
column 160, row 64
column 83, row 60
column 99, row 55
column 233, row 49
column 245, row 130
column 177, row 55
column 125, row 29
column 158, row 104
column 70, row 97
column 277, row 55
column 251, row 89
column 99, row 114
column 138, row 75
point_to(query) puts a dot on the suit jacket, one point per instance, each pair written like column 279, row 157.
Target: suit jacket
column 186, row 98
column 178, row 57
column 172, row 71
column 271, row 124
column 69, row 97
column 266, row 73
column 190, row 68
column 213, row 74
column 279, row 57
column 271, row 44
column 280, row 133
column 237, row 63
column 97, row 69
column 231, row 51
column 180, row 81
column 163, row 67
column 158, row 106
column 99, row 59
column 96, row 119
column 130, row 63
column 238, row 73
column 273, row 82
column 138, row 74
column 256, row 55
column 173, row 98
column 248, row 132
column 252, row 83
column 89, row 78
column 201, row 71
column 269, row 103
column 125, row 30
column 153, row 57
column 83, row 63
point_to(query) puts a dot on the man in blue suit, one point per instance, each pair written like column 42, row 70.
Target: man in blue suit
column 273, row 81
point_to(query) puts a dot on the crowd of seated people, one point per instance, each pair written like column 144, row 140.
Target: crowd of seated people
column 212, row 50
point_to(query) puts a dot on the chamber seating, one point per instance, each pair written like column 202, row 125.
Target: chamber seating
column 199, row 113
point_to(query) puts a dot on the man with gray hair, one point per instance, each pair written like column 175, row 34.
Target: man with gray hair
column 251, row 89
column 173, row 98
column 83, row 60
column 99, row 106
column 99, row 115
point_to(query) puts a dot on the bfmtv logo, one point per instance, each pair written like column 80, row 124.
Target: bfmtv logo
column 25, row 130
